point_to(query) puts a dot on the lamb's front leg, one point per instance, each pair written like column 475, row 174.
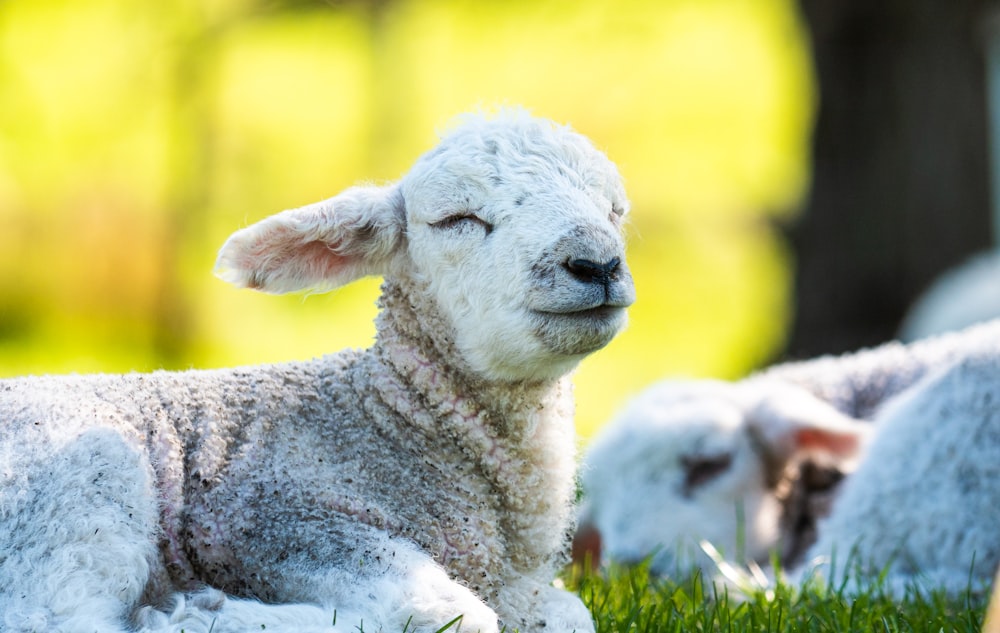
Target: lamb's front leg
column 368, row 580
column 416, row 593
column 534, row 606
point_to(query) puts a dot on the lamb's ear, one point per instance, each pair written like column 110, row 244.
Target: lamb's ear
column 320, row 246
column 785, row 420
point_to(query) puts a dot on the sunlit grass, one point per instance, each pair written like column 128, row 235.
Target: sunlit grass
column 628, row 600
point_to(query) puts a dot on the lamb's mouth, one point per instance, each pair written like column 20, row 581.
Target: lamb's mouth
column 581, row 331
column 601, row 312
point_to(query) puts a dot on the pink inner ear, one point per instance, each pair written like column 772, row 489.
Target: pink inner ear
column 320, row 261
column 281, row 255
column 840, row 444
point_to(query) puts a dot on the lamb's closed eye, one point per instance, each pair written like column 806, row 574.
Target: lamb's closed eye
column 701, row 469
column 462, row 221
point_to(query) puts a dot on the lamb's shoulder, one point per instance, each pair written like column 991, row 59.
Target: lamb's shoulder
column 436, row 467
column 484, row 484
column 224, row 444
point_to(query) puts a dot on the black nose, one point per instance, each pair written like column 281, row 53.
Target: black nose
column 591, row 272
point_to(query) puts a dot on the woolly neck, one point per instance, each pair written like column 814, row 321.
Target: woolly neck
column 416, row 340
column 519, row 435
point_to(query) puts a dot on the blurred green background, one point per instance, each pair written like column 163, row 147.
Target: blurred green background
column 135, row 136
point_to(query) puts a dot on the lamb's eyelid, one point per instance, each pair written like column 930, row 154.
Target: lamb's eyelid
column 453, row 219
column 701, row 469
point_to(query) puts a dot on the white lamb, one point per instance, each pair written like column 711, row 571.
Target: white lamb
column 427, row 477
column 962, row 296
column 751, row 468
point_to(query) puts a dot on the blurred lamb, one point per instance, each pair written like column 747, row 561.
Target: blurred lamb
column 752, row 468
column 428, row 477
column 963, row 296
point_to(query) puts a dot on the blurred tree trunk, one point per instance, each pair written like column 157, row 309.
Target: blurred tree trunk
column 900, row 174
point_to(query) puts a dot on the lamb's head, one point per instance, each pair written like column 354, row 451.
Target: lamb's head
column 511, row 226
column 689, row 462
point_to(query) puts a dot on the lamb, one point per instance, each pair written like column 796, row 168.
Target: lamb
column 960, row 297
column 882, row 460
column 691, row 461
column 427, row 478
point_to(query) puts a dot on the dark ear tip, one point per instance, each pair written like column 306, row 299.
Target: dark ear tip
column 586, row 550
column 699, row 470
column 255, row 281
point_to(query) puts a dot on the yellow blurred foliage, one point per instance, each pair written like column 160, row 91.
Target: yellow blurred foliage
column 134, row 137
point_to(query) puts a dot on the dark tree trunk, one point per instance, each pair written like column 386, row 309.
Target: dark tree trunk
column 900, row 175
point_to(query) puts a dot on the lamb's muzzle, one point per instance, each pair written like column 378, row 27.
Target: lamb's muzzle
column 579, row 289
column 594, row 314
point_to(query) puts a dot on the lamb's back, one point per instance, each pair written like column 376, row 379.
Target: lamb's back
column 197, row 408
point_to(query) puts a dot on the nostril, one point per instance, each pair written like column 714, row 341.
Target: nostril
column 589, row 271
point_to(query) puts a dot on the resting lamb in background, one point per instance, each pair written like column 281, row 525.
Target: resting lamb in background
column 427, row 477
column 752, row 467
column 962, row 296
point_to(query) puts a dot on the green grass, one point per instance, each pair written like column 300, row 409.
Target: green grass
column 629, row 600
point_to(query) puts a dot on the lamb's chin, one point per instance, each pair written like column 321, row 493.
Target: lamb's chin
column 539, row 345
column 580, row 332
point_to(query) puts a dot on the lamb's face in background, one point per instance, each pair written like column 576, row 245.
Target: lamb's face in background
column 679, row 466
column 694, row 461
column 516, row 225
